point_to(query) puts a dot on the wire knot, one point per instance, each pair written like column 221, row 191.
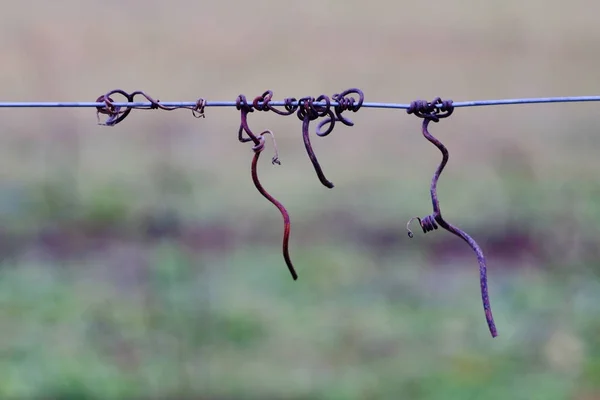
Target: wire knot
column 198, row 110
column 427, row 223
column 257, row 148
column 241, row 104
column 261, row 103
column 311, row 108
column 115, row 113
column 432, row 111
column 348, row 103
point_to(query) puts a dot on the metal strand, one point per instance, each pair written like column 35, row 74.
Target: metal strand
column 474, row 103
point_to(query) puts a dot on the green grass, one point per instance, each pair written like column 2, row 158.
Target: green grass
column 238, row 326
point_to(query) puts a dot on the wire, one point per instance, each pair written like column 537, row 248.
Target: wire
column 475, row 103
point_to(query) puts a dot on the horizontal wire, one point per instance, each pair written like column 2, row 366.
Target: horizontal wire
column 475, row 103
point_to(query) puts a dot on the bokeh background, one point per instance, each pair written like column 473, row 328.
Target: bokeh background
column 139, row 261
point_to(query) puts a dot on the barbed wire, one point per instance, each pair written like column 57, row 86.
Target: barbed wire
column 308, row 109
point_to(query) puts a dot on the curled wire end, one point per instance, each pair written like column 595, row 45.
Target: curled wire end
column 427, row 223
column 409, row 231
column 258, row 148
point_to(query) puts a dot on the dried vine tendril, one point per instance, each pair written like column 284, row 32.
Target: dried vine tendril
column 259, row 145
column 307, row 109
column 310, row 109
column 433, row 112
column 116, row 114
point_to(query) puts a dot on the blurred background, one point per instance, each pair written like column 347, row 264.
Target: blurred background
column 139, row 261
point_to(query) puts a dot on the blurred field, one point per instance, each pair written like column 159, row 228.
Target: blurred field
column 140, row 262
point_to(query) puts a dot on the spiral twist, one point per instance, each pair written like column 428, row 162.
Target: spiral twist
column 427, row 223
column 433, row 111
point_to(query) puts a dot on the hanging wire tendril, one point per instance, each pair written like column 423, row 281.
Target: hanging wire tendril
column 259, row 144
column 433, row 112
column 308, row 111
column 286, row 217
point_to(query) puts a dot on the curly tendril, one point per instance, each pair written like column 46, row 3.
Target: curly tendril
column 261, row 104
column 286, row 217
column 433, row 112
column 309, row 111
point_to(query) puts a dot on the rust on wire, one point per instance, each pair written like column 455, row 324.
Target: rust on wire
column 434, row 111
column 117, row 114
